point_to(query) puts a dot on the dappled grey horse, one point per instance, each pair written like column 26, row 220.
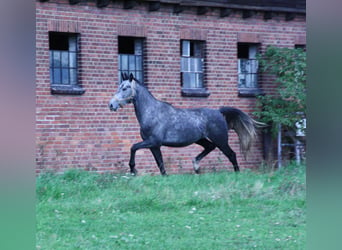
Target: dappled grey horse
column 161, row 124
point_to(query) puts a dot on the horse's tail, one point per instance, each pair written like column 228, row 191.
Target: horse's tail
column 244, row 126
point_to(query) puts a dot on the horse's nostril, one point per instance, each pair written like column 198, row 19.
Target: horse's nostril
column 111, row 107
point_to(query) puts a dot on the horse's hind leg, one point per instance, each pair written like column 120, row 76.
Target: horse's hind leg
column 208, row 147
column 222, row 144
column 159, row 159
column 227, row 151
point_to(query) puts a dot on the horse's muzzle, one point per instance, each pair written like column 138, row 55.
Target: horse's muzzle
column 113, row 107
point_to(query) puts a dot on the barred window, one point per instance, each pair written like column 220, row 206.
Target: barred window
column 131, row 57
column 63, row 49
column 247, row 65
column 192, row 60
column 247, row 68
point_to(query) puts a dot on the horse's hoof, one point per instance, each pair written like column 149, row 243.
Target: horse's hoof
column 134, row 172
column 197, row 171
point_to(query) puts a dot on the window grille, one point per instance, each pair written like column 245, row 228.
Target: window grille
column 131, row 57
column 248, row 73
column 192, row 64
column 63, row 58
column 247, row 69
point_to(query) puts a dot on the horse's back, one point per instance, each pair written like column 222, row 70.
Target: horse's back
column 209, row 115
column 212, row 121
column 181, row 127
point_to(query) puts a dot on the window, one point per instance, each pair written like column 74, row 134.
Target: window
column 247, row 69
column 63, row 63
column 192, row 68
column 131, row 57
column 300, row 46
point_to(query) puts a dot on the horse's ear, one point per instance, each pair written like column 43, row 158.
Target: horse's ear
column 131, row 77
column 123, row 76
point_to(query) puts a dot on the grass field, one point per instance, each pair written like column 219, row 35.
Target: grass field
column 249, row 210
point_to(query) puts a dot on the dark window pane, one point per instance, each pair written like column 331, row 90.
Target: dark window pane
column 198, row 49
column 254, row 66
column 185, row 64
column 72, row 60
column 131, row 62
column 57, row 75
column 192, row 48
column 73, row 43
column 185, row 48
column 138, row 75
column 65, row 59
column 186, row 80
column 192, row 80
column 65, row 76
column 199, row 80
column 138, row 47
column 195, row 64
column 51, row 60
column 51, row 75
column 56, row 59
column 126, row 45
column 58, row 41
column 73, row 76
column 123, row 62
column 138, row 62
column 242, row 80
column 253, row 81
column 243, row 51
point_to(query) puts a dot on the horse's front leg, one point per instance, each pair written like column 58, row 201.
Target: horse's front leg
column 159, row 159
column 134, row 148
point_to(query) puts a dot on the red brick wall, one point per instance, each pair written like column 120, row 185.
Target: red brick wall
column 81, row 132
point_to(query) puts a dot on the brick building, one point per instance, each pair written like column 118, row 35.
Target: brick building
column 188, row 53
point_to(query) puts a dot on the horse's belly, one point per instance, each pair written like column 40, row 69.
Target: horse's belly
column 181, row 138
column 176, row 144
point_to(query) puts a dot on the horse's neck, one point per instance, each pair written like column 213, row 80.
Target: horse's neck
column 144, row 103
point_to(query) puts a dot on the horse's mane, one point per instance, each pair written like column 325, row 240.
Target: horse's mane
column 138, row 82
column 131, row 77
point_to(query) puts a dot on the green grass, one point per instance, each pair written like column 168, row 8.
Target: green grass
column 249, row 210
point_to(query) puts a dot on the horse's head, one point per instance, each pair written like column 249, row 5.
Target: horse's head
column 125, row 93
